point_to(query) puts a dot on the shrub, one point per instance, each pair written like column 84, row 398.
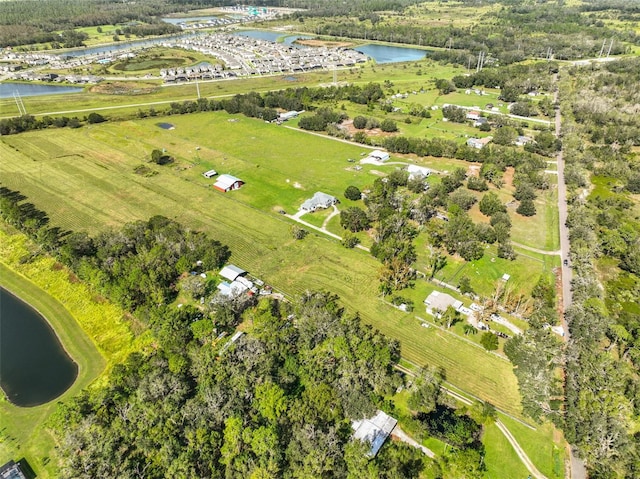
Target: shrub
column 352, row 193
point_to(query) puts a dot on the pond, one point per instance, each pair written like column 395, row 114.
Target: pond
column 389, row 54
column 28, row 89
column 260, row 35
column 34, row 367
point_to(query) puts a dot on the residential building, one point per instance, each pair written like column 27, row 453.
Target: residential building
column 374, row 431
column 319, row 201
column 438, row 302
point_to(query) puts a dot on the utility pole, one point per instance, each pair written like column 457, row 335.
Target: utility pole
column 19, row 103
column 610, row 46
column 602, row 47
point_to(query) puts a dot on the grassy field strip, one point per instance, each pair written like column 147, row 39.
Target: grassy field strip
column 500, row 453
column 96, row 186
column 543, row 446
column 93, row 333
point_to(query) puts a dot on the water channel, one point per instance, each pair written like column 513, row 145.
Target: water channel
column 34, row 367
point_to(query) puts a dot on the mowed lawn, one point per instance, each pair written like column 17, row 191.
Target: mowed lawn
column 85, row 180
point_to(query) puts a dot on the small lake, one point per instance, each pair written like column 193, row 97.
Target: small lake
column 260, row 35
column 28, row 89
column 389, row 54
column 34, row 367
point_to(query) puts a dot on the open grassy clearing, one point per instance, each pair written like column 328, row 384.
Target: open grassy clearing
column 92, row 331
column 544, row 446
column 90, row 184
column 501, row 459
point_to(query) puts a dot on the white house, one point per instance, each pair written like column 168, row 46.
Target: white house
column 416, row 171
column 479, row 143
column 473, row 115
column 227, row 183
column 438, row 302
column 319, row 201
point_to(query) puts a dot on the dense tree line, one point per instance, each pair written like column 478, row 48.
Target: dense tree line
column 272, row 405
column 38, row 21
column 602, row 360
column 136, row 266
column 520, row 32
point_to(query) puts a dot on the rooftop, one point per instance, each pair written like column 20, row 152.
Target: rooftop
column 231, row 272
column 441, row 301
column 374, row 430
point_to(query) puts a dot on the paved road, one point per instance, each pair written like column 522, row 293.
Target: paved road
column 578, row 469
column 564, row 231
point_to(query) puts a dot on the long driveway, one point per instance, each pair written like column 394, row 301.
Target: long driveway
column 564, row 231
column 578, row 469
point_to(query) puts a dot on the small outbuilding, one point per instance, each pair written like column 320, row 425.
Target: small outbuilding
column 227, row 183
column 374, row 431
column 319, row 201
column 438, row 302
column 210, row 173
column 379, row 155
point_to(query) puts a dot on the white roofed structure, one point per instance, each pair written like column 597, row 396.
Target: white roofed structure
column 416, row 171
column 374, row 430
column 231, row 272
column 318, row 201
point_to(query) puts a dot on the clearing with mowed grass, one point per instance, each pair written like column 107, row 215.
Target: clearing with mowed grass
column 85, row 180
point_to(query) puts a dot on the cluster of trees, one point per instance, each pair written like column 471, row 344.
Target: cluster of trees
column 321, row 118
column 602, row 360
column 536, row 357
column 277, row 403
column 25, row 23
column 137, row 266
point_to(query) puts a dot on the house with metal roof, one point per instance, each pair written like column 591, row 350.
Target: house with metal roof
column 479, row 143
column 374, row 431
column 378, row 155
column 416, row 171
column 438, row 302
column 12, row 470
column 319, row 201
column 227, row 183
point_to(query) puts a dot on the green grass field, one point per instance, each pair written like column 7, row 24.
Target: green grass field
column 501, row 459
column 92, row 331
column 84, row 179
column 544, row 446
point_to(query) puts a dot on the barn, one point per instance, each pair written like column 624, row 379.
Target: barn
column 227, row 183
